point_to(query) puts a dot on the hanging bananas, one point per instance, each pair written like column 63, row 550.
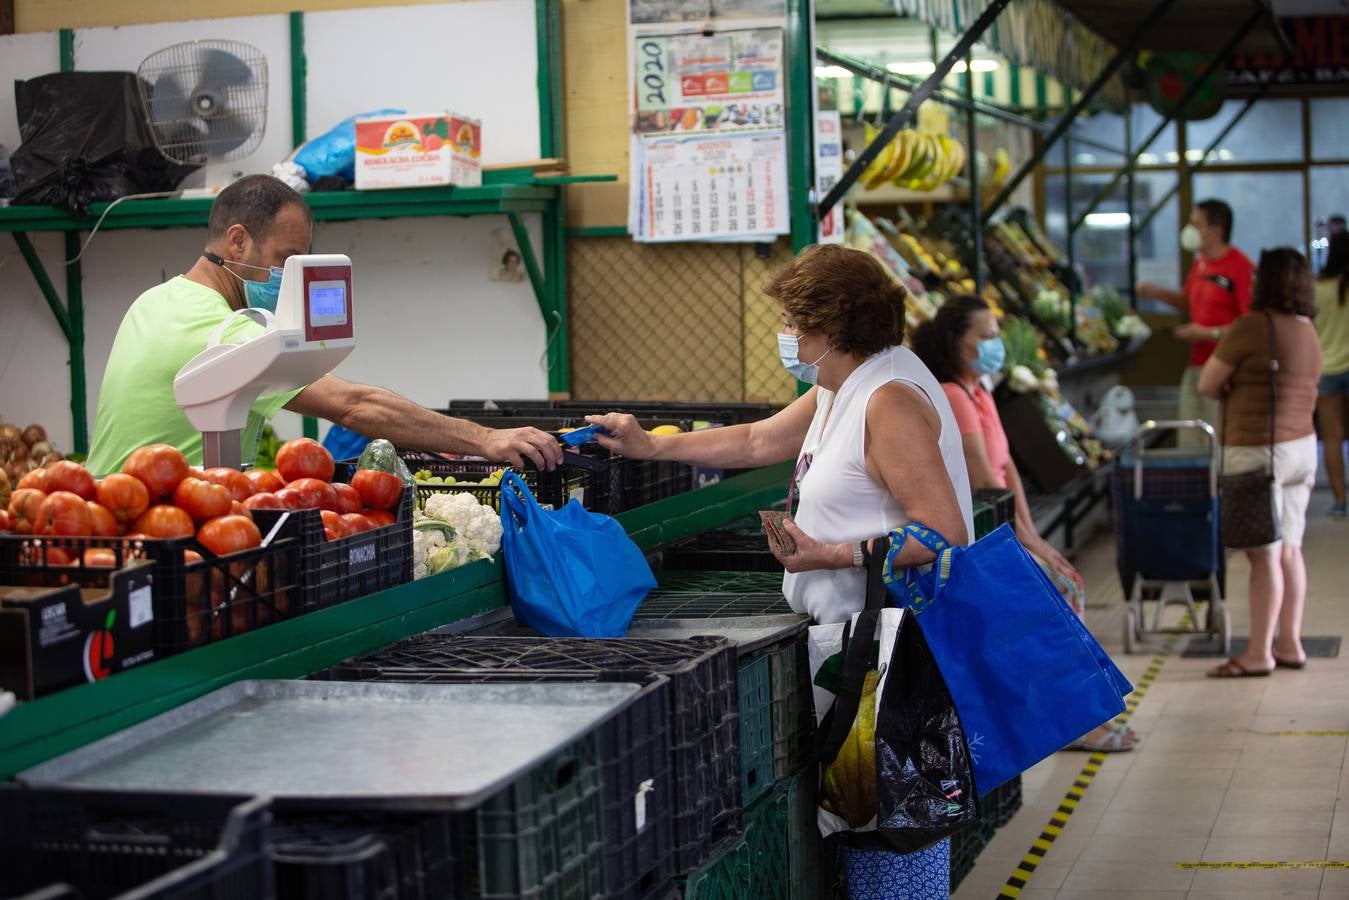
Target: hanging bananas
column 918, row 161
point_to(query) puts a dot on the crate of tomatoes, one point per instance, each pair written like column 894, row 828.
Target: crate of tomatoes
column 215, row 571
column 355, row 522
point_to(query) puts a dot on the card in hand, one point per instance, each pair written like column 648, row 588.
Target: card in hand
column 778, row 539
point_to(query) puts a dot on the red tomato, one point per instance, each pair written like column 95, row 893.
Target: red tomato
column 264, row 501
column 238, row 509
column 4, row 520
column 291, row 499
column 316, row 494
column 348, row 499
column 234, row 481
column 229, row 534
column 73, row 477
column 304, row 458
column 164, row 521
column 159, row 466
column 61, row 514
column 380, row 517
column 333, row 526
column 264, row 481
column 101, row 521
column 55, row 556
column 100, row 557
column 202, row 500
column 358, row 523
column 23, row 507
column 380, row 490
column 123, row 496
column 35, row 479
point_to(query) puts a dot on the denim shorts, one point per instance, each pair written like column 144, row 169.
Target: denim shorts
column 1333, row 385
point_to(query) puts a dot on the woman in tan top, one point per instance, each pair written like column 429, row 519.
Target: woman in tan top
column 1239, row 373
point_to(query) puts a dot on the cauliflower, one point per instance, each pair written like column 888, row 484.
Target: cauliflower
column 1021, row 379
column 478, row 525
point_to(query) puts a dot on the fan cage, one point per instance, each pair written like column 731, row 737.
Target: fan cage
column 205, row 100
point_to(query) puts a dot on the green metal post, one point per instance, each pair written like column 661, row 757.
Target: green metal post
column 551, row 288
column 1014, row 86
column 299, row 70
column 801, row 125
column 1068, row 217
column 79, row 400
column 299, row 125
column 536, row 277
column 44, row 283
column 976, row 191
column 66, row 39
column 1129, row 206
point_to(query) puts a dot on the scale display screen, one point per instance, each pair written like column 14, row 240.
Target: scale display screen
column 327, row 303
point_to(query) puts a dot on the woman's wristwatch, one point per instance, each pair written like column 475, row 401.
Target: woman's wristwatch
column 857, row 561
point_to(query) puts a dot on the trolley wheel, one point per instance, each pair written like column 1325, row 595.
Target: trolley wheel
column 1225, row 633
column 1130, row 630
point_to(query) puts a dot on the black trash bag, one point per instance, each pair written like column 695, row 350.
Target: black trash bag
column 85, row 139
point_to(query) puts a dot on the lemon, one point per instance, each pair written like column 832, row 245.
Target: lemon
column 667, row 429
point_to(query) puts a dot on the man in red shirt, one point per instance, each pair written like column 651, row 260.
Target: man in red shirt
column 1217, row 293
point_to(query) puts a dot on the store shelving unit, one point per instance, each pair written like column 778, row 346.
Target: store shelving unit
column 53, row 725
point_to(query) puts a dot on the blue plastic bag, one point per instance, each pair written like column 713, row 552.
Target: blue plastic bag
column 569, row 572
column 343, row 443
column 334, row 151
column 1026, row 676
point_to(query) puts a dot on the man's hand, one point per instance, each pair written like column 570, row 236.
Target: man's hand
column 515, row 445
column 1150, row 291
column 1191, row 333
column 812, row 554
column 625, row 436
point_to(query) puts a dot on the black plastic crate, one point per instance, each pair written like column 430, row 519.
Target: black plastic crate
column 195, row 601
column 723, row 552
column 579, row 478
column 1007, row 801
column 367, row 855
column 704, row 719
column 635, row 755
column 134, row 846
column 333, row 572
column 985, row 519
column 1003, row 502
column 660, row 604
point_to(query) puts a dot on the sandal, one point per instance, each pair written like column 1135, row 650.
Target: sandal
column 1113, row 742
column 1234, row 669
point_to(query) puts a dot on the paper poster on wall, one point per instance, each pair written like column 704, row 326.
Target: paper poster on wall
column 652, row 12
column 828, row 170
column 694, row 83
column 715, row 187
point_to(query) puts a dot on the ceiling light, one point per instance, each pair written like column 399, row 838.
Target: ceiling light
column 923, row 69
column 832, row 72
column 1108, row 220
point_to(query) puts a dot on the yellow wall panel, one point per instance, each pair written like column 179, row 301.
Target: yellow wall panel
column 595, row 57
column 51, row 15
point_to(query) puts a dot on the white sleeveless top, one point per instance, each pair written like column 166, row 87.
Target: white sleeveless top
column 837, row 499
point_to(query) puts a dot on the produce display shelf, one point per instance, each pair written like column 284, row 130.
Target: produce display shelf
column 503, row 191
column 37, row 731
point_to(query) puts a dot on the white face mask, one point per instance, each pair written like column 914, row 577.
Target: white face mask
column 1190, row 239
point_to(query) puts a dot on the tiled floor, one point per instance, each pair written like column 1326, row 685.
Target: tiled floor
column 1212, row 781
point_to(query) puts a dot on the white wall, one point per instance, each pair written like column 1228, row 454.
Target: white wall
column 430, row 324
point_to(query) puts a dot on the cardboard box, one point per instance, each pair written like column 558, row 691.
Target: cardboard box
column 54, row 638
column 418, row 151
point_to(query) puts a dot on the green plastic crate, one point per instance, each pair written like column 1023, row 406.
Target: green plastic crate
column 793, row 707
column 803, row 835
column 543, row 838
column 677, row 581
column 985, row 520
column 756, row 728
column 769, row 861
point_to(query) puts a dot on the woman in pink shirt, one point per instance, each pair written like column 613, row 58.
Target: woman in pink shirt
column 961, row 345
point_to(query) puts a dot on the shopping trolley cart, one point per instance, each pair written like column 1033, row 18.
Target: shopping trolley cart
column 1166, row 535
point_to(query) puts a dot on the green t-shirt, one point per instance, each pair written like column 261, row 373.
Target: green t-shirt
column 166, row 326
column 1332, row 326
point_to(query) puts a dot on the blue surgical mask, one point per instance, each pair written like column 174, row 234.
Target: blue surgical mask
column 992, row 354
column 789, row 351
column 259, row 294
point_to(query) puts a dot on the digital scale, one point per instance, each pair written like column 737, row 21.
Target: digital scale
column 311, row 332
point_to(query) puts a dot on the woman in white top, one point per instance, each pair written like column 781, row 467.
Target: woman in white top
column 875, row 441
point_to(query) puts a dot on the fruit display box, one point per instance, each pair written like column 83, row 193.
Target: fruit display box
column 418, row 151
column 54, row 638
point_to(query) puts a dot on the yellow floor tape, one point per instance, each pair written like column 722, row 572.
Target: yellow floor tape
column 1323, row 733
column 1315, row 864
column 1040, row 847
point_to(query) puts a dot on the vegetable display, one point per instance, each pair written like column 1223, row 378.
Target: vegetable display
column 453, row 529
column 21, row 451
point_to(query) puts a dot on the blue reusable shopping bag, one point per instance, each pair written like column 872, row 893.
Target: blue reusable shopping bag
column 569, row 572
column 1026, row 676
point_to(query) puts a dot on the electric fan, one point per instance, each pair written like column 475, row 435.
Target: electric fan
column 205, row 99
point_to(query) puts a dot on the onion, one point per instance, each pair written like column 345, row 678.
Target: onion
column 10, row 433
column 41, row 450
column 19, row 452
column 33, row 434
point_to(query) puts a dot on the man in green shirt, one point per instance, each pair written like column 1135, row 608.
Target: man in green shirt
column 256, row 224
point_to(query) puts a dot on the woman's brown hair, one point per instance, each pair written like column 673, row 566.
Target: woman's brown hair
column 1283, row 283
column 846, row 295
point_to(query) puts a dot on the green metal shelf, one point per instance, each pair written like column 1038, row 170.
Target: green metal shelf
column 39, row 730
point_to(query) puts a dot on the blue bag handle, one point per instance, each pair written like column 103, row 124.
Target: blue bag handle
column 517, row 500
column 906, row 584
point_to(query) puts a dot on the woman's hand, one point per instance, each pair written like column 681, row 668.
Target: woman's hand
column 1058, row 564
column 811, row 554
column 625, row 437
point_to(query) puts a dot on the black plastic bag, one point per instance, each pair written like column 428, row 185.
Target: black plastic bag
column 85, row 139
column 923, row 788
